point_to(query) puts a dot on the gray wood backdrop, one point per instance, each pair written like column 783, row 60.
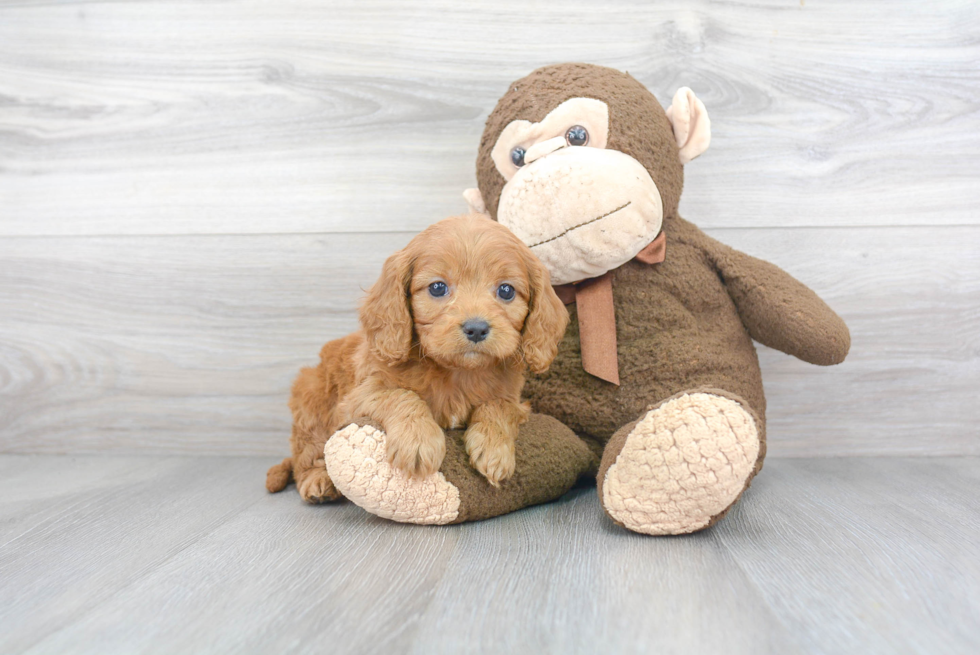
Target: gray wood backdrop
column 193, row 195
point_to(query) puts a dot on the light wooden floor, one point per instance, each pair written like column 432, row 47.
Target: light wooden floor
column 181, row 555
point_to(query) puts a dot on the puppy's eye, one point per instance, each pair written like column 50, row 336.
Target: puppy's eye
column 505, row 292
column 577, row 136
column 438, row 289
column 517, row 156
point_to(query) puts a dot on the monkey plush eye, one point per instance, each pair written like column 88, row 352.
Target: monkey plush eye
column 505, row 292
column 438, row 289
column 577, row 136
column 517, row 156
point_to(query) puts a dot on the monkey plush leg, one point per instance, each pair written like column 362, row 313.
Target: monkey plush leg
column 550, row 459
column 682, row 465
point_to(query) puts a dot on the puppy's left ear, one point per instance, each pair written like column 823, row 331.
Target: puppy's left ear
column 386, row 313
column 546, row 319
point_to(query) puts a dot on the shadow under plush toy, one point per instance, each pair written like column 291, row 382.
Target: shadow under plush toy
column 656, row 387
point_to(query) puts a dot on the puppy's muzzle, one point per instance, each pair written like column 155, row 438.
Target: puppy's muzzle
column 476, row 330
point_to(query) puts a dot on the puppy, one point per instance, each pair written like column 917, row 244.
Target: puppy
column 446, row 334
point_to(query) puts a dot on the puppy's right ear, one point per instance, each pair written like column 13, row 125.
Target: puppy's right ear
column 386, row 313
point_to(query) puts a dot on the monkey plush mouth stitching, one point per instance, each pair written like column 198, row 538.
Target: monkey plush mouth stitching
column 575, row 227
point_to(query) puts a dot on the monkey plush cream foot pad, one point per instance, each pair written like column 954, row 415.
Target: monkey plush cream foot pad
column 684, row 463
column 358, row 465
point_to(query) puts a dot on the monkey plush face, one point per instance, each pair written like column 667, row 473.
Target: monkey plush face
column 584, row 165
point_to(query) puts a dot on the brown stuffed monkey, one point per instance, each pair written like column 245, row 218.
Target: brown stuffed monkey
column 656, row 389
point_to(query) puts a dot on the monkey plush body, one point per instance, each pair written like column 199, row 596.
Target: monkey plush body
column 656, row 388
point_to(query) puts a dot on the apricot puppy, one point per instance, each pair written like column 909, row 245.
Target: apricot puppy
column 447, row 333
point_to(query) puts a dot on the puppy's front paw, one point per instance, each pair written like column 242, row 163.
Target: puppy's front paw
column 416, row 447
column 315, row 486
column 491, row 453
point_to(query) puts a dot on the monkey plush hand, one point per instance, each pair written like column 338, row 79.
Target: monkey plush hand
column 657, row 374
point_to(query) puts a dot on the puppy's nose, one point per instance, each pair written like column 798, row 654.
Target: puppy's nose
column 476, row 330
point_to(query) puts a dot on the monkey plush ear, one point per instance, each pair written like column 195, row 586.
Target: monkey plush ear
column 475, row 200
column 692, row 128
column 385, row 313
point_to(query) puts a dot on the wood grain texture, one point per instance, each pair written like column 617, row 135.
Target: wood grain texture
column 189, row 344
column 841, row 548
column 40, row 491
column 192, row 195
column 568, row 581
column 172, row 344
column 92, row 535
column 234, row 117
column 873, row 555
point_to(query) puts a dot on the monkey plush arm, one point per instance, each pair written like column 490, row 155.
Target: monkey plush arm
column 779, row 311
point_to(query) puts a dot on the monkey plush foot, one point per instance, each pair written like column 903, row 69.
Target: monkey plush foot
column 682, row 465
column 357, row 462
column 550, row 458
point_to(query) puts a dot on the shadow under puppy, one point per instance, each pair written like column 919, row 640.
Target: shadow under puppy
column 447, row 333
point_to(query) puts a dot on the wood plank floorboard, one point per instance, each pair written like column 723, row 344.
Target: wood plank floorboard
column 192, row 555
column 94, row 538
column 565, row 578
column 36, row 491
column 866, row 554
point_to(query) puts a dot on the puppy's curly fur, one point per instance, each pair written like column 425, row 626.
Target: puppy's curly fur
column 413, row 368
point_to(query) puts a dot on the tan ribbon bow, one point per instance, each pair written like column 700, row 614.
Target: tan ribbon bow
column 597, row 315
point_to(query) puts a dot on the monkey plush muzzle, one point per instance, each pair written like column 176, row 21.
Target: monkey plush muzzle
column 583, row 211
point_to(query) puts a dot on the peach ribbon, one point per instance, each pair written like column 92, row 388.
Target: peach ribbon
column 597, row 314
